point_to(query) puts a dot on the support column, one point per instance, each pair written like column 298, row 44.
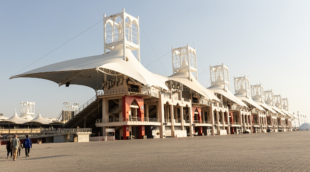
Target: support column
column 105, row 114
column 172, row 120
column 243, row 119
column 161, row 110
column 190, row 121
column 218, row 122
column 212, row 120
column 251, row 117
column 182, row 118
column 228, row 123
column 241, row 122
column 147, row 112
column 223, row 120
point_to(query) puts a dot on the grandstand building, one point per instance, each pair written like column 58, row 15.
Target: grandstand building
column 137, row 103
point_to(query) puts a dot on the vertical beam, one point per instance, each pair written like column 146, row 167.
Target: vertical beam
column 218, row 122
column 182, row 118
column 161, row 114
column 104, row 34
column 189, row 66
column 240, row 117
column 172, row 120
column 190, row 120
column 105, row 113
column 147, row 113
column 138, row 39
column 124, row 35
column 228, row 122
column 212, row 120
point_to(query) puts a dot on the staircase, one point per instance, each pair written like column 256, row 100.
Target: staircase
column 89, row 111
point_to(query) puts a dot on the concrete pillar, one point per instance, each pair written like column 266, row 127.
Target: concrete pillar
column 172, row 120
column 190, row 121
column 240, row 120
column 105, row 113
column 228, row 122
column 218, row 122
column 212, row 120
column 161, row 109
column 243, row 119
column 182, row 117
column 147, row 112
column 251, row 123
column 223, row 119
column 203, row 116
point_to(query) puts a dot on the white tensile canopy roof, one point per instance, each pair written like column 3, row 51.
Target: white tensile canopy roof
column 228, row 95
column 266, row 106
column 39, row 119
column 83, row 71
column 3, row 118
column 15, row 119
column 287, row 113
column 250, row 101
column 278, row 110
column 182, row 77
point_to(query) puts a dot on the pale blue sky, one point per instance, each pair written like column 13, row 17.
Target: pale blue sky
column 265, row 40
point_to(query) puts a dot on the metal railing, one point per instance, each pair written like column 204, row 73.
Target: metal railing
column 65, row 130
column 81, row 107
column 167, row 95
column 131, row 119
column 133, row 90
column 236, row 123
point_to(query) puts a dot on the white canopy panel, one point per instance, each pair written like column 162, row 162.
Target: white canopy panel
column 15, row 119
column 228, row 95
column 40, row 119
column 250, row 101
column 278, row 110
column 266, row 107
column 82, row 71
column 182, row 77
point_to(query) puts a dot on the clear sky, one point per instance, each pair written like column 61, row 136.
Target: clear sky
column 266, row 40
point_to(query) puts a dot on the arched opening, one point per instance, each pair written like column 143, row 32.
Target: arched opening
column 109, row 33
column 117, row 29
column 134, row 32
column 128, row 29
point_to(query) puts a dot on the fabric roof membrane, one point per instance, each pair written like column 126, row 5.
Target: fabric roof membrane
column 72, row 70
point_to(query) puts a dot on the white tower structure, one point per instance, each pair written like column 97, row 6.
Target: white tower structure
column 242, row 87
column 278, row 101
column 258, row 93
column 219, row 77
column 27, row 109
column 184, row 59
column 285, row 104
column 269, row 97
column 121, row 29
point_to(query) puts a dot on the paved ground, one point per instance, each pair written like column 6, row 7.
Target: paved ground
column 256, row 152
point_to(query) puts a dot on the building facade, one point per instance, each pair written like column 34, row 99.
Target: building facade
column 137, row 103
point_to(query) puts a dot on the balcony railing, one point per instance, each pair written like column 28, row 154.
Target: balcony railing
column 133, row 90
column 65, row 130
column 235, row 123
column 129, row 119
column 167, row 95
